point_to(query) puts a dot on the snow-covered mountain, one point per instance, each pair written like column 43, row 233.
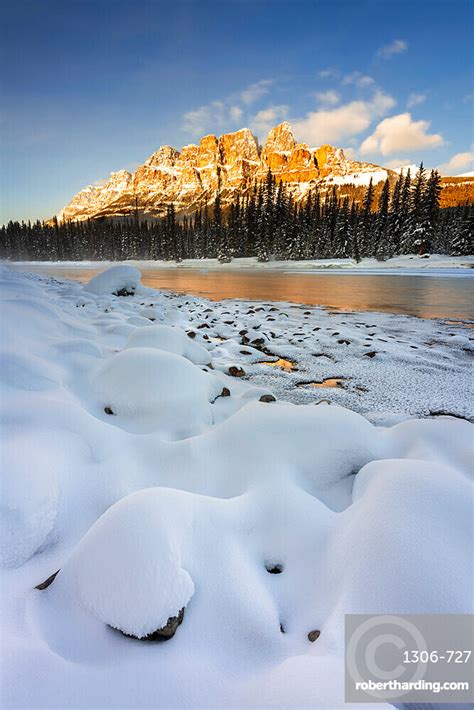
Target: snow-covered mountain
column 190, row 178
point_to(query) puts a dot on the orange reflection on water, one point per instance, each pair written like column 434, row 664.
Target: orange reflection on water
column 425, row 296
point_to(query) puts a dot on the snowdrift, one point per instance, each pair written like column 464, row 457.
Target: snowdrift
column 158, row 484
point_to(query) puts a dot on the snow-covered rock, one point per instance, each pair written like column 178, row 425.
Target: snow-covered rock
column 118, row 281
column 127, row 570
column 149, row 389
column 173, row 340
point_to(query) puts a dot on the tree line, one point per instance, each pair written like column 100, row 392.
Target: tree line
column 268, row 224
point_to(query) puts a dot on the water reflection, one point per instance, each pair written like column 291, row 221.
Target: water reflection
column 425, row 296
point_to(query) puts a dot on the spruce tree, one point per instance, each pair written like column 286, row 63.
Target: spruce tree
column 379, row 243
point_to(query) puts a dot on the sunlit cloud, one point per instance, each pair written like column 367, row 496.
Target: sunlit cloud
column 328, row 98
column 399, row 133
column 224, row 114
column 460, row 162
column 255, row 91
column 331, row 125
column 267, row 118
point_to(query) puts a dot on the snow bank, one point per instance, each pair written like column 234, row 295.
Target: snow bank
column 156, row 483
column 127, row 569
column 30, row 496
column 172, row 340
column 155, row 389
column 118, row 281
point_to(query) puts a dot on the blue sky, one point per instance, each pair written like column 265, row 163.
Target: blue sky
column 90, row 87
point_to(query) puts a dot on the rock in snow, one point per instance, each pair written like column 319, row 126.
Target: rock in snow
column 173, row 340
column 128, row 570
column 155, row 388
column 247, row 531
column 118, row 281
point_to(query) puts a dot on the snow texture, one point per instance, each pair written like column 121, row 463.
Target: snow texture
column 123, row 278
column 184, row 495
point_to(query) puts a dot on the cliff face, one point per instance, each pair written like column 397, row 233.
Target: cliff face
column 190, row 178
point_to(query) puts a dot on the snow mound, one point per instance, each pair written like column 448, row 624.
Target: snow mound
column 127, row 570
column 29, row 499
column 118, row 280
column 172, row 340
column 149, row 389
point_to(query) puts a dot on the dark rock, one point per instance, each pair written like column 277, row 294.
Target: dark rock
column 191, row 334
column 274, row 569
column 163, row 634
column 108, row 410
column 371, row 354
column 314, row 635
column 225, row 392
column 124, row 292
column 267, row 398
column 47, row 582
column 236, row 371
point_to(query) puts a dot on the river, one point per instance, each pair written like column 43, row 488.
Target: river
column 447, row 293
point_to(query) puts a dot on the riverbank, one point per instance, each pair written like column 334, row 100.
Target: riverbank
column 182, row 459
column 408, row 262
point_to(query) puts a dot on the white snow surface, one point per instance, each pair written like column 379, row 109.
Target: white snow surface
column 182, row 498
column 118, row 278
column 405, row 262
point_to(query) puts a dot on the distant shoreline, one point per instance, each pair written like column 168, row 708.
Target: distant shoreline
column 399, row 264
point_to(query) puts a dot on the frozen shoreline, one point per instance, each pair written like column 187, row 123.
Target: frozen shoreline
column 402, row 264
column 109, row 409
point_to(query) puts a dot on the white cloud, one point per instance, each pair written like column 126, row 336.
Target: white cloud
column 389, row 50
column 255, row 91
column 461, row 162
column 358, row 79
column 329, row 73
column 332, row 125
column 328, row 98
column 235, row 113
column 225, row 114
column 395, row 163
column 206, row 118
column 267, row 118
column 415, row 99
column 400, row 132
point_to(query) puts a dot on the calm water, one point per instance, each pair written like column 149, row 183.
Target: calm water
column 439, row 295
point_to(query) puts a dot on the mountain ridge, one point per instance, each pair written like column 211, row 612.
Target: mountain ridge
column 231, row 163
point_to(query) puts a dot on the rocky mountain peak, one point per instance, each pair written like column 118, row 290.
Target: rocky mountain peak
column 231, row 162
column 280, row 139
column 165, row 156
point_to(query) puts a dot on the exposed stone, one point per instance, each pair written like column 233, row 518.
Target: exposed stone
column 163, row 634
column 267, row 398
column 314, row 635
column 236, row 371
column 47, row 582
